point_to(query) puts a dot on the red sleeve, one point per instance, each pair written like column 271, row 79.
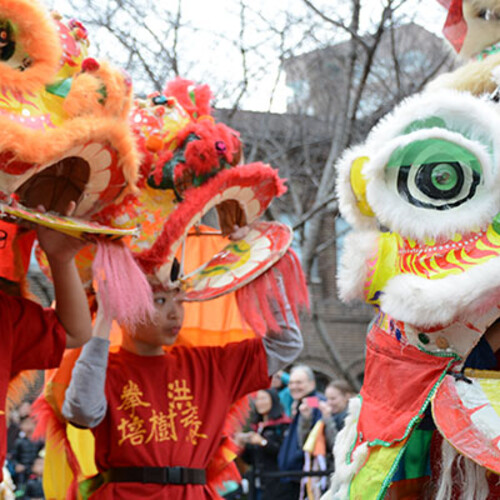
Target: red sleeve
column 243, row 366
column 38, row 338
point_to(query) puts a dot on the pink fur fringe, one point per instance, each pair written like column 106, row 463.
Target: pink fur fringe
column 124, row 291
column 252, row 298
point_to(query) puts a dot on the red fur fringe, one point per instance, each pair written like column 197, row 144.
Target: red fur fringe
column 43, row 414
column 221, row 469
column 253, row 298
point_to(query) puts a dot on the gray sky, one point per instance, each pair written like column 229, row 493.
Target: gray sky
column 210, row 62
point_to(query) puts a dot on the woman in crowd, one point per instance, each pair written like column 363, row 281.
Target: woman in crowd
column 262, row 443
column 337, row 395
column 333, row 414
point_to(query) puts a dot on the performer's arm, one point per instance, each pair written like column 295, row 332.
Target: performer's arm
column 71, row 302
column 85, row 401
column 282, row 348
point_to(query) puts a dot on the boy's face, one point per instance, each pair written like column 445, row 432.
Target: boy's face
column 163, row 328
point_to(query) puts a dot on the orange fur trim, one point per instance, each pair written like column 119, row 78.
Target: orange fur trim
column 47, row 146
column 85, row 98
column 119, row 93
column 39, row 38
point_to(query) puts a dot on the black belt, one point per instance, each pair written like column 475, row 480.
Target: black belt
column 158, row 475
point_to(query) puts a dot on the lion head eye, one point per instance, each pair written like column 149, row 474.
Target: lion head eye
column 434, row 173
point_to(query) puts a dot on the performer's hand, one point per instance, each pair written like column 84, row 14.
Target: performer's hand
column 255, row 438
column 241, row 438
column 59, row 247
column 239, row 233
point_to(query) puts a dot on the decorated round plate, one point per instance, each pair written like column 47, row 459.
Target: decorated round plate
column 69, row 225
column 239, row 262
column 467, row 413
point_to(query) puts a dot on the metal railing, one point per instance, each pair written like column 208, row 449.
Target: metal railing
column 253, row 476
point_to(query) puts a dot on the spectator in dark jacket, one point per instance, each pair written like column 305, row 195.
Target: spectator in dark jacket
column 262, row 444
column 25, row 451
column 34, row 487
column 291, row 457
column 13, row 430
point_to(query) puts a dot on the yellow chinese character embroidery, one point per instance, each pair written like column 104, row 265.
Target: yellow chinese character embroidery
column 190, row 420
column 131, row 397
column 179, row 392
column 181, row 399
column 163, row 427
column 132, row 429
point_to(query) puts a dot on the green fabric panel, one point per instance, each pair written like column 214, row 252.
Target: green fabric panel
column 60, row 88
column 417, row 453
column 430, row 122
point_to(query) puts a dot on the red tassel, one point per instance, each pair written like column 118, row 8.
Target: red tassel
column 124, row 291
column 252, row 298
column 219, row 469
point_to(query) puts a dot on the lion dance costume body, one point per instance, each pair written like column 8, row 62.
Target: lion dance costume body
column 422, row 196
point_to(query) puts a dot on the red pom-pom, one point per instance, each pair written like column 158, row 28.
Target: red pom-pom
column 80, row 34
column 90, row 64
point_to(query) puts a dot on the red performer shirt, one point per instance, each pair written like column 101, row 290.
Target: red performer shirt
column 169, row 410
column 31, row 339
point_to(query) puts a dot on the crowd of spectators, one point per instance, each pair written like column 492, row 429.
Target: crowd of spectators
column 24, row 460
column 275, row 445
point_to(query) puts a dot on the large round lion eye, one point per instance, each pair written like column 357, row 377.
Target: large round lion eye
column 440, row 180
column 434, row 173
column 7, row 40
